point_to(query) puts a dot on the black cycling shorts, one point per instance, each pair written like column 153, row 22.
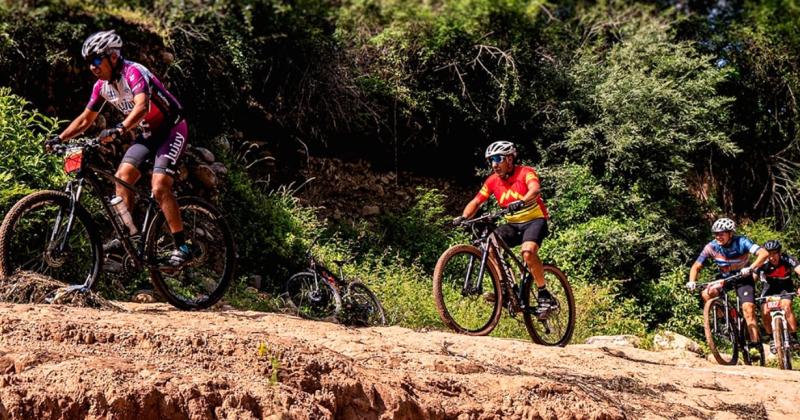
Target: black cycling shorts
column 164, row 146
column 514, row 234
column 777, row 287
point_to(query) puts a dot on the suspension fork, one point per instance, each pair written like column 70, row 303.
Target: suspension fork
column 468, row 289
column 74, row 189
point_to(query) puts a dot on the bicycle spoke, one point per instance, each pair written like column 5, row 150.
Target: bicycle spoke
column 467, row 300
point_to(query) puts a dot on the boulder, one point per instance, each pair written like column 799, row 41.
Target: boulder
column 206, row 176
column 615, row 340
column 668, row 340
column 205, row 154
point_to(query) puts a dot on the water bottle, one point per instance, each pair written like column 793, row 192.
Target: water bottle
column 123, row 215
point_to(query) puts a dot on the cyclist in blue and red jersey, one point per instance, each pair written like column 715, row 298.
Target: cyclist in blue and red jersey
column 517, row 188
column 731, row 253
column 778, row 270
column 151, row 112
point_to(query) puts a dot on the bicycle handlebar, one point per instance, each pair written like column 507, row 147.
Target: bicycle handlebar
column 84, row 142
column 782, row 295
column 485, row 217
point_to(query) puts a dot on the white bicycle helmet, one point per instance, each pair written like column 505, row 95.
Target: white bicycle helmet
column 101, row 43
column 723, row 225
column 500, row 148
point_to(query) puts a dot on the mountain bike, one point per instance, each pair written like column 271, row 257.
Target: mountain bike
column 473, row 282
column 319, row 294
column 725, row 327
column 780, row 328
column 53, row 233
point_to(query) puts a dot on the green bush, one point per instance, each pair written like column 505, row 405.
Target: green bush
column 24, row 166
column 421, row 233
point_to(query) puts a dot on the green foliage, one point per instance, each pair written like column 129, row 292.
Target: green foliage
column 573, row 194
column 601, row 311
column 24, row 166
column 606, row 248
column 269, row 227
column 646, row 106
column 420, row 233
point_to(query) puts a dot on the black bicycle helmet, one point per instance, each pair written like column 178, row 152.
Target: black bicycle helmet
column 772, row 245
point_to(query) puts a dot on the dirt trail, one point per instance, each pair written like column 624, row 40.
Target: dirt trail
column 152, row 362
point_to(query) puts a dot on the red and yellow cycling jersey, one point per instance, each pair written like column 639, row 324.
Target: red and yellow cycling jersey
column 511, row 189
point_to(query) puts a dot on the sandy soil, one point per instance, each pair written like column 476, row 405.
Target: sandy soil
column 153, row 362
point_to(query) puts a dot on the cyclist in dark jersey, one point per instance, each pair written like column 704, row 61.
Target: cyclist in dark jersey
column 778, row 270
column 731, row 253
column 516, row 188
column 151, row 112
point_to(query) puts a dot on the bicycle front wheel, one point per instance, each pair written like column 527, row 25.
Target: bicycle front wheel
column 556, row 328
column 362, row 307
column 44, row 234
column 720, row 335
column 784, row 351
column 467, row 302
column 203, row 280
column 314, row 298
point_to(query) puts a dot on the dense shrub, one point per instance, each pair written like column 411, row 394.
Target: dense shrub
column 23, row 164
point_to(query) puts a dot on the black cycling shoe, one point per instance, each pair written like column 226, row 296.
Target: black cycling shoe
column 178, row 258
column 545, row 304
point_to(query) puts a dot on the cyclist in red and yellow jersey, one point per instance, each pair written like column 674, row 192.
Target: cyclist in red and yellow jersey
column 516, row 188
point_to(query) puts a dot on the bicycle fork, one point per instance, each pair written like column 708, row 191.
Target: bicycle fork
column 468, row 289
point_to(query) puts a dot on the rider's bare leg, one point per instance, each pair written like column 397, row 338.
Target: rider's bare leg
column 530, row 253
column 162, row 192
column 749, row 310
column 129, row 174
column 786, row 304
column 766, row 319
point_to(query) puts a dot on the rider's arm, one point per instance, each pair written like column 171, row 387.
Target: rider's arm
column 471, row 208
column 694, row 271
column 141, row 104
column 533, row 191
column 761, row 256
column 79, row 124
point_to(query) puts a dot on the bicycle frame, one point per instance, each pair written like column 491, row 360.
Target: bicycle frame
column 491, row 244
column 91, row 175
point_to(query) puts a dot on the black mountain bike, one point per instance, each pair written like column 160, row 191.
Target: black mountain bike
column 54, row 234
column 725, row 326
column 319, row 294
column 780, row 327
column 472, row 283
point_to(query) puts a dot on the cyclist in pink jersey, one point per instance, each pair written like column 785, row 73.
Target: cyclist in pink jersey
column 151, row 111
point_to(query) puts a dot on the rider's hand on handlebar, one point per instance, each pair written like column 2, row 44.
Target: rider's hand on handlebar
column 516, row 205
column 48, row 144
column 746, row 271
column 110, row 134
column 457, row 221
column 691, row 285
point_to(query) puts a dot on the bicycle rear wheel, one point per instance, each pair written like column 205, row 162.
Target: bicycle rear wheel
column 784, row 352
column 203, row 280
column 557, row 328
column 313, row 297
column 37, row 236
column 362, row 307
column 466, row 303
column 720, row 335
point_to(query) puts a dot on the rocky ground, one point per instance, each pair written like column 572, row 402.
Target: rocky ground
column 153, row 362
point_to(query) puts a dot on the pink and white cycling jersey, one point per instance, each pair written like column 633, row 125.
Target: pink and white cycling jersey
column 136, row 78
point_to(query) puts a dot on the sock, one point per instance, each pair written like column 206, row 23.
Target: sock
column 179, row 238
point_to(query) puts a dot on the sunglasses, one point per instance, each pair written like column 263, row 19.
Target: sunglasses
column 96, row 60
column 495, row 159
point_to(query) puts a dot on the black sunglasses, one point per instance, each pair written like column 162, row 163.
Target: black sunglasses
column 95, row 60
